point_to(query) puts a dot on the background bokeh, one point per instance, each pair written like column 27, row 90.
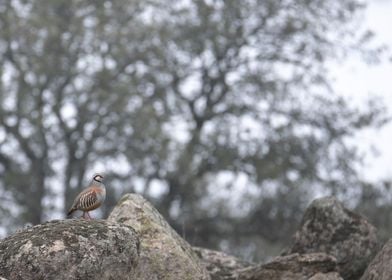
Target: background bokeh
column 227, row 115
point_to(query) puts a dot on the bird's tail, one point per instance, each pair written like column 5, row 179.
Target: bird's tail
column 71, row 211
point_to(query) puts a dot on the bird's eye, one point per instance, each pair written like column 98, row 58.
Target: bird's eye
column 97, row 178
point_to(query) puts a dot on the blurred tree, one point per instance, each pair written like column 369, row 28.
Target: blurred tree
column 219, row 111
column 375, row 203
column 61, row 62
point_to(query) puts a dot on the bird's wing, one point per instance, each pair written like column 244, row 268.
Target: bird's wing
column 88, row 198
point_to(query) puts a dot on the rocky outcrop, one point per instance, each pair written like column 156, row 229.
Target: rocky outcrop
column 71, row 249
column 220, row 265
column 316, row 266
column 136, row 242
column 330, row 228
column 380, row 268
column 328, row 276
column 163, row 253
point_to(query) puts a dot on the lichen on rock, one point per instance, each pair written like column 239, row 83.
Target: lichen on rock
column 294, row 267
column 164, row 254
column 71, row 249
column 328, row 227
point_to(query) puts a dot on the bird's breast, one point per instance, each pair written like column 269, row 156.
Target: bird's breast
column 102, row 194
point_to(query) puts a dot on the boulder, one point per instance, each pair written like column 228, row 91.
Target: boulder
column 163, row 253
column 381, row 266
column 330, row 228
column 326, row 276
column 220, row 265
column 71, row 249
column 315, row 266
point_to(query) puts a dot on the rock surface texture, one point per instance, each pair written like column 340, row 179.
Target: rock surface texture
column 136, row 243
column 381, row 266
column 330, row 228
column 220, row 265
column 164, row 255
column 316, row 266
column 71, row 249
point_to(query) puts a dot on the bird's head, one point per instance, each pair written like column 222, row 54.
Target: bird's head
column 98, row 178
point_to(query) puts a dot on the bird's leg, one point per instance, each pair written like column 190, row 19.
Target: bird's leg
column 84, row 215
column 89, row 217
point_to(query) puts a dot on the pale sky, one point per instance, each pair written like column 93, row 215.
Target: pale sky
column 360, row 81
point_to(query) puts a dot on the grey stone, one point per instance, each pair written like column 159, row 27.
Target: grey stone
column 71, row 249
column 326, row 276
column 163, row 253
column 220, row 265
column 329, row 227
column 380, row 267
column 293, row 267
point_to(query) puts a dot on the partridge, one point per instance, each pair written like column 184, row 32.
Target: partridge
column 91, row 198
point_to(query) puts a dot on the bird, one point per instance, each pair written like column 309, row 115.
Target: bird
column 90, row 198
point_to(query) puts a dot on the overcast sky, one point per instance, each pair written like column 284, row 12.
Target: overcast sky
column 360, row 81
